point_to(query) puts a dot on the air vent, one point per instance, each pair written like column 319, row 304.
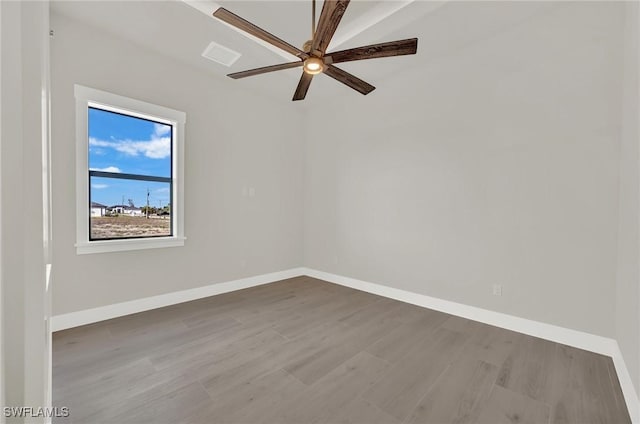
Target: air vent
column 221, row 54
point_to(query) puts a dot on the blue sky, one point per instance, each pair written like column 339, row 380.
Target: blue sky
column 120, row 143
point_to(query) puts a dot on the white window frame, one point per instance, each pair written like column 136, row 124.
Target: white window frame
column 86, row 97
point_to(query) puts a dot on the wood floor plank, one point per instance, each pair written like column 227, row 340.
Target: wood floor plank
column 104, row 382
column 306, row 351
column 616, row 391
column 463, row 325
column 125, row 350
column 348, row 336
column 124, row 395
column 582, row 390
column 458, row 396
column 215, row 322
column 491, row 344
column 250, row 402
column 507, row 407
column 280, row 353
column 332, row 310
column 332, row 392
column 312, row 365
column 216, row 345
column 289, row 309
column 395, row 344
column 528, row 367
column 147, row 322
column 169, row 408
column 359, row 411
column 400, row 390
column 226, row 369
column 80, row 340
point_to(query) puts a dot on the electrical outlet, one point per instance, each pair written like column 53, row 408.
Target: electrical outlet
column 497, row 290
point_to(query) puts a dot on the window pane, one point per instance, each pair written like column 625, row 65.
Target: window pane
column 122, row 143
column 119, row 208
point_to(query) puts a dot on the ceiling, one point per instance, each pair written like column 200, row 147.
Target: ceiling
column 183, row 29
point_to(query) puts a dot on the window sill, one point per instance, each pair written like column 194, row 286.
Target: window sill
column 105, row 246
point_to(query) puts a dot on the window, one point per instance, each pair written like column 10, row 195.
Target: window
column 129, row 184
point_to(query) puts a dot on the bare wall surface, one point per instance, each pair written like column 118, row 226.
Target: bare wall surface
column 234, row 139
column 496, row 162
column 628, row 278
column 23, row 58
column 12, row 235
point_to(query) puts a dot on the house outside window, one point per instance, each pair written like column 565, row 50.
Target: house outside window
column 129, row 173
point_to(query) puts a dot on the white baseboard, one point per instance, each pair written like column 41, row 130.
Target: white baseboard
column 579, row 339
column 89, row 316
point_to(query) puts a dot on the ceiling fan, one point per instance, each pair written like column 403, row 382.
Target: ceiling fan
column 313, row 56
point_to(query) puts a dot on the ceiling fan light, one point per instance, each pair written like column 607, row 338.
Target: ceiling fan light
column 313, row 65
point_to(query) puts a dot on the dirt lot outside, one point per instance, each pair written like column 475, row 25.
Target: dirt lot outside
column 106, row 227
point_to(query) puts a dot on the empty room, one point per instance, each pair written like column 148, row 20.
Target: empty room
column 319, row 211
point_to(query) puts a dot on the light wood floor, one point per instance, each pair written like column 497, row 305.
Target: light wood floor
column 307, row 351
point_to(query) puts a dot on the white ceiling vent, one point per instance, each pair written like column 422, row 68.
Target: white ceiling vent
column 221, row 54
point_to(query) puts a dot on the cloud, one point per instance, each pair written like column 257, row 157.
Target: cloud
column 161, row 129
column 156, row 148
column 107, row 169
column 98, row 151
column 162, row 190
column 99, row 186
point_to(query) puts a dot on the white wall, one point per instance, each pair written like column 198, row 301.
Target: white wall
column 234, row 139
column 628, row 279
column 12, row 268
column 2, row 342
column 24, row 40
column 495, row 163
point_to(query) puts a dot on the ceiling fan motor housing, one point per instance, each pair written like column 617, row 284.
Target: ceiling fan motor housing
column 306, row 47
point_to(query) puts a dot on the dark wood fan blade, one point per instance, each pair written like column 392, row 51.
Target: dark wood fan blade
column 303, row 86
column 392, row 48
column 348, row 79
column 332, row 11
column 246, row 26
column 265, row 69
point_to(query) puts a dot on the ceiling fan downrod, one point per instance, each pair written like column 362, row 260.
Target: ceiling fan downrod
column 313, row 19
column 306, row 47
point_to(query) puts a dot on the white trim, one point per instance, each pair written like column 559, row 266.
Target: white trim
column 132, row 106
column 47, row 215
column 88, row 316
column 86, row 97
column 103, row 246
column 2, row 389
column 567, row 336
